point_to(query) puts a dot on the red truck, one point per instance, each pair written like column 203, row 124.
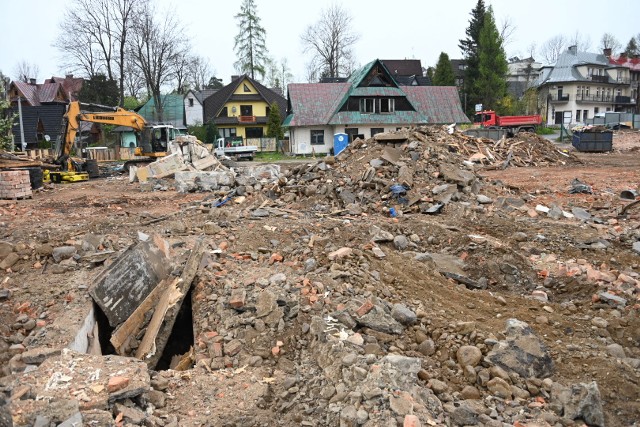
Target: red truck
column 514, row 124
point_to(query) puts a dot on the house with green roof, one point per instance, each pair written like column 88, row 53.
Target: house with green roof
column 172, row 114
column 371, row 101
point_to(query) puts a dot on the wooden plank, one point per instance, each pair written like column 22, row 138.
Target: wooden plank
column 147, row 347
column 161, row 325
column 133, row 324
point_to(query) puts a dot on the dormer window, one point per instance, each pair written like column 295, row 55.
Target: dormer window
column 190, row 102
column 387, row 105
column 367, row 106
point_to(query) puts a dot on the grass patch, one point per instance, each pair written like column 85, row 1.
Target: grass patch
column 546, row 131
column 270, row 156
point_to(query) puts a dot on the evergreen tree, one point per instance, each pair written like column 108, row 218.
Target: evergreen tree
column 631, row 51
column 100, row 90
column 491, row 84
column 6, row 123
column 274, row 123
column 443, row 75
column 249, row 45
column 211, row 133
column 469, row 48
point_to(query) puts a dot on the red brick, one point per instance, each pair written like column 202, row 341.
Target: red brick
column 238, row 298
column 364, row 308
column 117, row 383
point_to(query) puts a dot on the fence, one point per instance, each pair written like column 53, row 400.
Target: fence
column 611, row 118
column 269, row 144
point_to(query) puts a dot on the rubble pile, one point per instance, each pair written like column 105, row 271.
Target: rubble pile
column 325, row 294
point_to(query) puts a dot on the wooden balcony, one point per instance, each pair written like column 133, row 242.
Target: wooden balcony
column 246, row 119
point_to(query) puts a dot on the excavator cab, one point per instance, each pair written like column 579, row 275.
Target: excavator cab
column 154, row 140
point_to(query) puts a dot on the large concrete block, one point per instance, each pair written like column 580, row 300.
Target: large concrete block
column 203, row 181
column 162, row 168
column 262, row 172
column 120, row 288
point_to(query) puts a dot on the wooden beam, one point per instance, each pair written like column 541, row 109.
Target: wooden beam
column 161, row 325
column 134, row 323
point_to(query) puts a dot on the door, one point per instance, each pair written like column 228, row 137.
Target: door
column 352, row 132
column 558, row 118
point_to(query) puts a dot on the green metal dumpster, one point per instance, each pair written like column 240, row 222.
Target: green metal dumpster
column 593, row 141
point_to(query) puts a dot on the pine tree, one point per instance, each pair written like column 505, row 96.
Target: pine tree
column 274, row 123
column 469, row 48
column 491, row 84
column 249, row 44
column 443, row 75
column 631, row 51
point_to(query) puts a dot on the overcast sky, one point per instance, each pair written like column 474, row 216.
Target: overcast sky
column 413, row 29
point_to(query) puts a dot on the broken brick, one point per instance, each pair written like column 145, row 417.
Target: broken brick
column 364, row 308
column 117, row 383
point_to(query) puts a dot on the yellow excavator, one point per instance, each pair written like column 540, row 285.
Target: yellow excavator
column 153, row 139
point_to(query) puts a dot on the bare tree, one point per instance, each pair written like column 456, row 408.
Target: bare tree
column 552, row 48
column 582, row 42
column 330, row 40
column 181, row 64
column 156, row 45
column 94, row 35
column 134, row 84
column 199, row 72
column 507, row 29
column 609, row 41
column 25, row 71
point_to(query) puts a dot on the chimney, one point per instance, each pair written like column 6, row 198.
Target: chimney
column 32, row 81
column 234, row 78
column 606, row 52
column 68, row 76
column 573, row 49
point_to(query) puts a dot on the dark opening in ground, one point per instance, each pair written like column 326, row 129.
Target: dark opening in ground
column 181, row 338
column 104, row 330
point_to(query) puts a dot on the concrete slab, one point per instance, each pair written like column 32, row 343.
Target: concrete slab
column 120, row 288
column 203, row 181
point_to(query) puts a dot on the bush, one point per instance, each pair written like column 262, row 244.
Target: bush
column 543, row 130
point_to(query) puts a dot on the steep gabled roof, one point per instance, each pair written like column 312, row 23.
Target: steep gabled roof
column 321, row 103
column 403, row 67
column 440, row 104
column 38, row 94
column 314, row 103
column 71, row 86
column 214, row 103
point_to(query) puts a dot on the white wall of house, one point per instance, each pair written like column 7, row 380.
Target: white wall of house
column 300, row 136
column 575, row 99
column 193, row 110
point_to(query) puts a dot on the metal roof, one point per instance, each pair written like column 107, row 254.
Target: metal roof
column 565, row 68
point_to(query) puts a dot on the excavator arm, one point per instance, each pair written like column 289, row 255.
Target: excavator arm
column 118, row 116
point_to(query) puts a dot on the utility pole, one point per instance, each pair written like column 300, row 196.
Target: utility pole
column 22, row 142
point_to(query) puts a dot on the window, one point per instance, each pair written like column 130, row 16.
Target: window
column 246, row 110
column 587, row 90
column 566, row 117
column 190, row 102
column 596, row 110
column 387, row 105
column 578, row 115
column 317, row 137
column 245, row 88
column 254, row 132
column 227, row 133
column 585, row 114
column 223, row 112
column 374, row 131
column 367, row 105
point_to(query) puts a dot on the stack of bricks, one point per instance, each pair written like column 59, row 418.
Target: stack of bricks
column 15, row 185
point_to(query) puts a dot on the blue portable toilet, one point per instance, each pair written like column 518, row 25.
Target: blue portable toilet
column 340, row 142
